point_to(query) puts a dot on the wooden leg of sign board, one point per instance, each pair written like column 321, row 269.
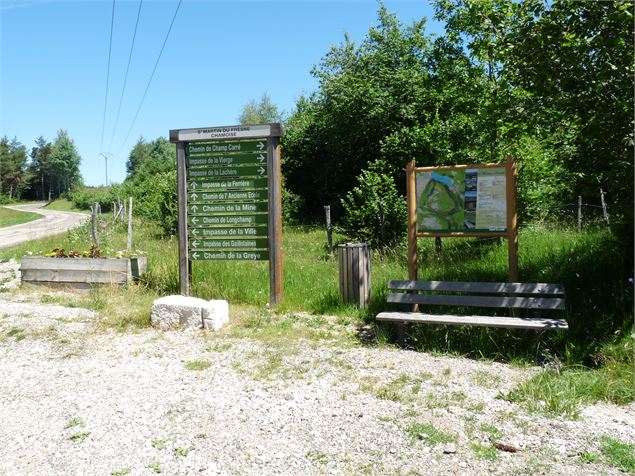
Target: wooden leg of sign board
column 512, row 220
column 184, row 263
column 276, row 283
column 411, row 188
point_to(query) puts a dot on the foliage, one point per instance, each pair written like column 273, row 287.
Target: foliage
column 63, row 163
column 374, row 212
column 85, row 197
column 260, row 112
column 13, row 168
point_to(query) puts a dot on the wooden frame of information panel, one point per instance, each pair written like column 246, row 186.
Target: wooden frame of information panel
column 272, row 134
column 511, row 232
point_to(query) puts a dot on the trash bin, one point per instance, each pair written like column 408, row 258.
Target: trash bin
column 354, row 270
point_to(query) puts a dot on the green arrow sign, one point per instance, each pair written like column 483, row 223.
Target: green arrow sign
column 207, row 184
column 237, row 243
column 228, row 171
column 211, row 208
column 227, row 232
column 228, row 159
column 229, row 255
column 227, row 220
column 222, row 147
column 201, row 197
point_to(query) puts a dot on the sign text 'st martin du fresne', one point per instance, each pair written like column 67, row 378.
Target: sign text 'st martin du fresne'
column 226, row 132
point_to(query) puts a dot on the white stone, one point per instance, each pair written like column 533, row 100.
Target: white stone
column 215, row 314
column 171, row 312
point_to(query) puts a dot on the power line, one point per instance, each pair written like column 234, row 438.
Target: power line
column 125, row 79
column 103, row 122
column 167, row 35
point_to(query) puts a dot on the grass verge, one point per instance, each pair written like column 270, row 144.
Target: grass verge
column 10, row 217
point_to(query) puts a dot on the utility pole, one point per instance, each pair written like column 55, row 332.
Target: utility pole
column 103, row 154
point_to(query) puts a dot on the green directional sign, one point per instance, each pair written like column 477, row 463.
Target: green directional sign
column 259, row 158
column 238, row 195
column 224, row 208
column 227, row 171
column 227, row 220
column 223, row 147
column 228, row 232
column 238, row 184
column 233, row 243
column 253, row 255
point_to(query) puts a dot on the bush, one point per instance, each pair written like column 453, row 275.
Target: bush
column 374, row 212
column 155, row 198
column 84, row 198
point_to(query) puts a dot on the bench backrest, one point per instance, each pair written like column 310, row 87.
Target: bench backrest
column 501, row 295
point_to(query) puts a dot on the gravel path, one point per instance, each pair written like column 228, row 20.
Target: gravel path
column 53, row 221
column 77, row 400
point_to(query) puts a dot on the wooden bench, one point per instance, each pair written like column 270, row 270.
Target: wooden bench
column 537, row 297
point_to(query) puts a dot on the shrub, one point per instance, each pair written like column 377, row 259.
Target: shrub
column 374, row 212
column 84, row 198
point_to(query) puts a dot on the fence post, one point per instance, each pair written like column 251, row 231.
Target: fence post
column 130, row 226
column 329, row 228
column 94, row 220
column 605, row 212
column 579, row 213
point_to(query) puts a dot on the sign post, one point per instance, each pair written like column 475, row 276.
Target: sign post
column 230, row 200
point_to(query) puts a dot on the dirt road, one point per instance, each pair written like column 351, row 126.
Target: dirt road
column 53, row 222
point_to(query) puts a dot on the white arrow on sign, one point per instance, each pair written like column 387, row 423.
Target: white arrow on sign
column 195, row 255
column 193, row 185
column 261, row 170
column 261, row 158
column 195, row 243
column 194, row 196
column 195, row 231
column 194, row 220
column 195, row 208
column 260, row 145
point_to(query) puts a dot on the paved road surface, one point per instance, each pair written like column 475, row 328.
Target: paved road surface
column 53, row 222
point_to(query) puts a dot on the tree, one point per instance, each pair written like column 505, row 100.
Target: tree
column 40, row 168
column 13, row 171
column 64, row 165
column 260, row 112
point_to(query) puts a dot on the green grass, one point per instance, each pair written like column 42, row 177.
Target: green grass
column 619, row 454
column 564, row 392
column 10, row 217
column 198, row 365
column 64, row 205
column 428, row 433
column 592, row 265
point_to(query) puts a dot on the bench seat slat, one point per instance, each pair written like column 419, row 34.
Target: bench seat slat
column 482, row 321
column 478, row 301
column 452, row 286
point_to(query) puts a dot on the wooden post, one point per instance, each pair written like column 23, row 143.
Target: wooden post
column 579, row 213
column 181, row 184
column 276, row 282
column 438, row 244
column 605, row 213
column 329, row 229
column 354, row 273
column 130, row 226
column 411, row 188
column 512, row 220
column 94, row 220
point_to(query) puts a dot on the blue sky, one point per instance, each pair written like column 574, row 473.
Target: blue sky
column 54, row 57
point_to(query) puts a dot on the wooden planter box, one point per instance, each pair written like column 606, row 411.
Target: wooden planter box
column 82, row 273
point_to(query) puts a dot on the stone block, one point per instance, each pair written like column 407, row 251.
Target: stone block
column 172, row 312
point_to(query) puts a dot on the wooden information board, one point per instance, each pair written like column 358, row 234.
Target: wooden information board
column 462, row 201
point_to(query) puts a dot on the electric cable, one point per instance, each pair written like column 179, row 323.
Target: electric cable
column 125, row 79
column 103, row 122
column 151, row 76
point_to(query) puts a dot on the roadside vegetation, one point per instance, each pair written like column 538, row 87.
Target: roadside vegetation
column 9, row 217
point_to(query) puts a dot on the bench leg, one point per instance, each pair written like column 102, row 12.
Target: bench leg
column 401, row 334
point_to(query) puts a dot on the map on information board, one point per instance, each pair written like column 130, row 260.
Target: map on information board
column 462, row 200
